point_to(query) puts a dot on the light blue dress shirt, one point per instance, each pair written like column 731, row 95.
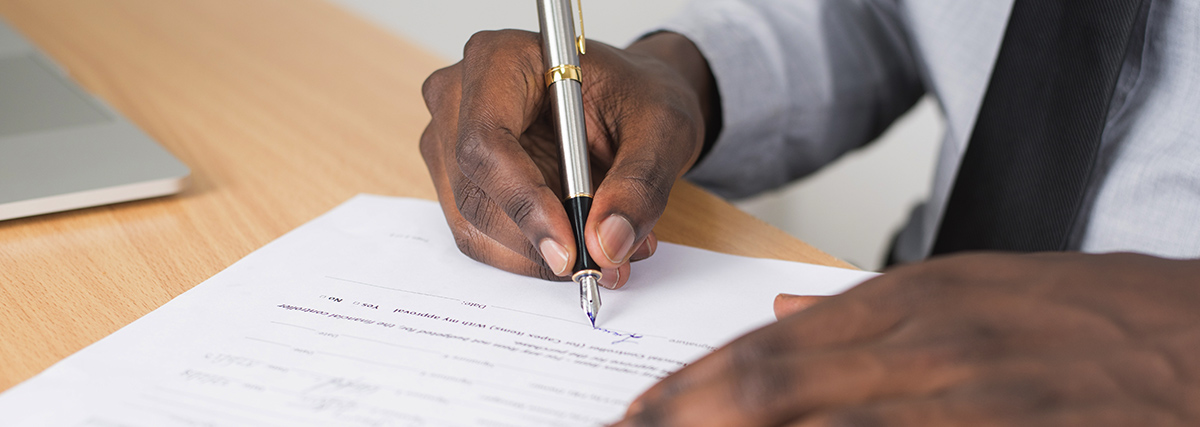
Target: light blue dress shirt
column 804, row 81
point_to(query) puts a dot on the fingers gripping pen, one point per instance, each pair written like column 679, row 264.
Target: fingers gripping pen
column 560, row 53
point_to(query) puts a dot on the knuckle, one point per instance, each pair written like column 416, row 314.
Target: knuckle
column 503, row 52
column 755, row 349
column 498, row 43
column 437, row 84
column 759, row 391
column 429, row 145
column 675, row 119
column 761, row 383
column 473, row 204
column 521, row 205
column 480, row 43
column 648, row 181
column 473, row 156
column 464, row 239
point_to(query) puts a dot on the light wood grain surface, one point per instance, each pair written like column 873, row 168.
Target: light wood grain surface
column 282, row 109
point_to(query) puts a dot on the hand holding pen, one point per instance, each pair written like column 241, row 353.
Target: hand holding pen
column 492, row 150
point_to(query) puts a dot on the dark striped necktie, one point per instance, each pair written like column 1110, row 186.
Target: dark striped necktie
column 1023, row 179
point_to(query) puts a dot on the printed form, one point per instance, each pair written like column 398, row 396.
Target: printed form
column 370, row 316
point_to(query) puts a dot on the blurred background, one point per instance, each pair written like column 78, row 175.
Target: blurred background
column 850, row 209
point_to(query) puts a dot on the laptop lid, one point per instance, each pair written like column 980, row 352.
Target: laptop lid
column 61, row 148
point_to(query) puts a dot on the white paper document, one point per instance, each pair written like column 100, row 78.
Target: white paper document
column 370, row 316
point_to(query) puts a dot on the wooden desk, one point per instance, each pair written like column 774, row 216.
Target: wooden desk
column 283, row 109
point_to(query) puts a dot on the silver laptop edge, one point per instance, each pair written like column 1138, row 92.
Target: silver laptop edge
column 62, row 148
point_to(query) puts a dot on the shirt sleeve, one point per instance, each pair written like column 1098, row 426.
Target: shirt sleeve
column 801, row 82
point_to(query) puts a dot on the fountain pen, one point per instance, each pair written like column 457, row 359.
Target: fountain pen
column 560, row 53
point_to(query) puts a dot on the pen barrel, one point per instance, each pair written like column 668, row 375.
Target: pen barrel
column 556, row 20
column 577, row 212
column 566, row 100
column 564, row 87
column 566, row 94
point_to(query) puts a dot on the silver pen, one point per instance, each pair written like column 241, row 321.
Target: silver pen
column 560, row 52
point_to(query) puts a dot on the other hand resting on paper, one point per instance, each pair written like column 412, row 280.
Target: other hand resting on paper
column 491, row 152
column 997, row 340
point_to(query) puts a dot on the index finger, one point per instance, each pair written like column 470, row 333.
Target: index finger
column 503, row 94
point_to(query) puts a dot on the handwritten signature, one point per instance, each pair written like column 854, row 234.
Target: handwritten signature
column 624, row 337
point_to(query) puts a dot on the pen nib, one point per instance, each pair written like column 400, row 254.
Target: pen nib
column 589, row 297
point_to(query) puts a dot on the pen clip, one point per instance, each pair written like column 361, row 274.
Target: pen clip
column 579, row 41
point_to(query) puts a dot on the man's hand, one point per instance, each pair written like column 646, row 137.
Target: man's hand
column 490, row 148
column 995, row 340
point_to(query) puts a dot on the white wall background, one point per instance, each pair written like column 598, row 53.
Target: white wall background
column 849, row 209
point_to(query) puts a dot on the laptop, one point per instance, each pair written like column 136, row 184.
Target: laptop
column 62, row 148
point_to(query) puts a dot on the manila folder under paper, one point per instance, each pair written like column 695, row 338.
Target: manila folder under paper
column 370, row 316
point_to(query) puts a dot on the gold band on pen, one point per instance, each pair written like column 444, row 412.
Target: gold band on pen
column 588, row 195
column 563, row 72
column 595, row 273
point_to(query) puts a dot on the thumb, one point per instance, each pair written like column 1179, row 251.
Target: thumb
column 634, row 191
column 787, row 304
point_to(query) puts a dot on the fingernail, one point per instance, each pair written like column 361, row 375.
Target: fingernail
column 616, row 238
column 556, row 256
column 642, row 252
column 610, row 278
column 646, row 249
column 787, row 304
